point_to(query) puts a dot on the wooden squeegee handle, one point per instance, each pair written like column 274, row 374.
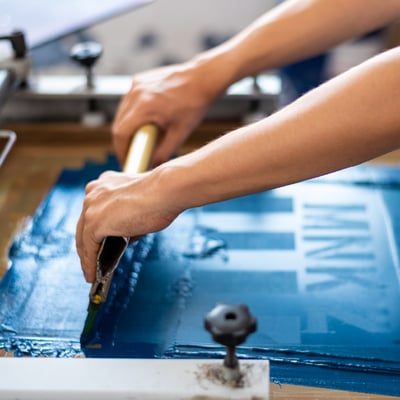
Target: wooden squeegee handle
column 141, row 149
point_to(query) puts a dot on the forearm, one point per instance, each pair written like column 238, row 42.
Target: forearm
column 346, row 121
column 295, row 30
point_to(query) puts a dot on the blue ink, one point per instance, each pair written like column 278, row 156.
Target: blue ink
column 317, row 263
column 43, row 296
column 266, row 202
column 331, row 216
column 7, row 329
column 343, row 247
column 326, row 299
column 46, row 347
column 205, row 242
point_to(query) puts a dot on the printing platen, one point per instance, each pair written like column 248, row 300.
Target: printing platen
column 317, row 263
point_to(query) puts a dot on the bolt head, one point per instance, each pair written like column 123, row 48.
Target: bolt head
column 86, row 53
column 230, row 324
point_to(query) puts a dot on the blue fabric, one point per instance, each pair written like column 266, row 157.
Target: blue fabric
column 317, row 263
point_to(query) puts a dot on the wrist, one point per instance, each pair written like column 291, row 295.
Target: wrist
column 215, row 69
column 181, row 184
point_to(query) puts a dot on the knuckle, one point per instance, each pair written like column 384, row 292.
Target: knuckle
column 89, row 217
column 105, row 180
column 117, row 130
column 90, row 187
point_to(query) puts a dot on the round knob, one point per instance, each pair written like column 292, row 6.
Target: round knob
column 230, row 325
column 86, row 54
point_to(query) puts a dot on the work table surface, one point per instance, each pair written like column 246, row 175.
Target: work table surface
column 42, row 151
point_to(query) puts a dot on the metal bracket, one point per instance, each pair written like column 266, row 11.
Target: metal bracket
column 11, row 137
column 146, row 379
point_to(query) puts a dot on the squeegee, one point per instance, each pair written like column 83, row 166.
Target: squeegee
column 113, row 247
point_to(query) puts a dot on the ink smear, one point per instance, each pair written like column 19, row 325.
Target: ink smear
column 317, row 263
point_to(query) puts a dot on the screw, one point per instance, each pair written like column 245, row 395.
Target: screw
column 86, row 54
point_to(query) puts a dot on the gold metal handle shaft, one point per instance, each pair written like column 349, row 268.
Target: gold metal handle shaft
column 141, row 149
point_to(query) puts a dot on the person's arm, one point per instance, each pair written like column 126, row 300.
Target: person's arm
column 176, row 98
column 295, row 30
column 345, row 121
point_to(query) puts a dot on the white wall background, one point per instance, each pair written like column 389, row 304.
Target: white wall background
column 178, row 26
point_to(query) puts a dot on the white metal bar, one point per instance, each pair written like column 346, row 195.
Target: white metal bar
column 87, row 379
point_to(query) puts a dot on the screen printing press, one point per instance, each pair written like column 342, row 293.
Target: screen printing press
column 317, row 263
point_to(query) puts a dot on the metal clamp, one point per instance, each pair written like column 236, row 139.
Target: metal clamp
column 11, row 138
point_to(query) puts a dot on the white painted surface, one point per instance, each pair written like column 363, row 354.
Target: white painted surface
column 179, row 26
column 80, row 378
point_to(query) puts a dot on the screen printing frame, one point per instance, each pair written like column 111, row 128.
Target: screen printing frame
column 48, row 164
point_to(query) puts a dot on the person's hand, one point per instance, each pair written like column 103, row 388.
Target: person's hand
column 175, row 98
column 118, row 204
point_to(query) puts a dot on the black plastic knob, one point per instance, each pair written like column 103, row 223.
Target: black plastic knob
column 230, row 325
column 86, row 54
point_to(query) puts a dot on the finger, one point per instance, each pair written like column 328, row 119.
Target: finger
column 90, row 249
column 87, row 247
column 89, row 187
column 88, row 271
column 121, row 127
column 134, row 239
column 169, row 144
column 78, row 238
column 121, row 137
column 106, row 175
column 123, row 106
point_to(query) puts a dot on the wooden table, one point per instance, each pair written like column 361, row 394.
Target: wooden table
column 43, row 150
